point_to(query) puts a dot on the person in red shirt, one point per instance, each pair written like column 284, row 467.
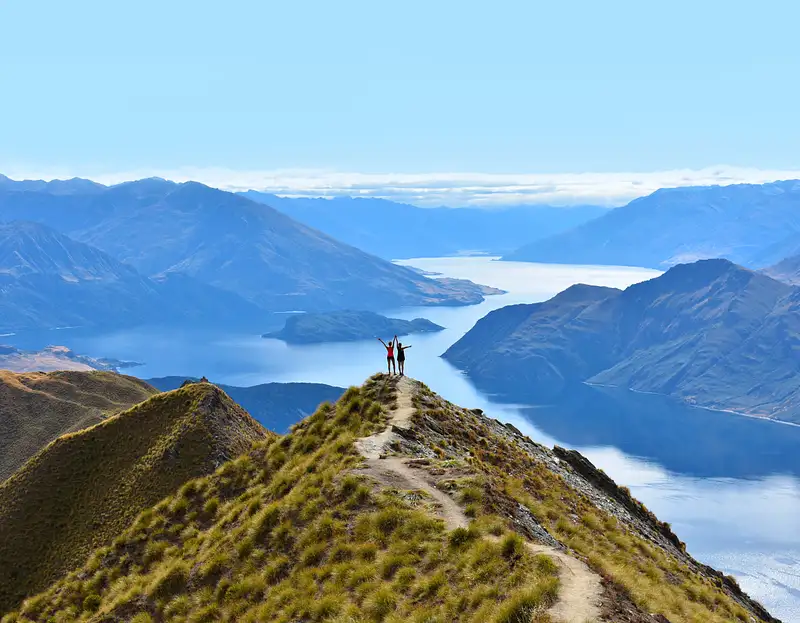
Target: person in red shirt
column 390, row 364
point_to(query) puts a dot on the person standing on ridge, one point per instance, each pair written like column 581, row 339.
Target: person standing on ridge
column 390, row 365
column 401, row 357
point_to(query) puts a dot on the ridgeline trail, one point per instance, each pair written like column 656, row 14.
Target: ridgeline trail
column 580, row 588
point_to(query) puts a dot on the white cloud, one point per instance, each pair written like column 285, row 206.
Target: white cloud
column 451, row 189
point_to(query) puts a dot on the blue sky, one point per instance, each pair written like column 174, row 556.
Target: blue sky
column 241, row 89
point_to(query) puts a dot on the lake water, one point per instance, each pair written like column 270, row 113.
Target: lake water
column 729, row 485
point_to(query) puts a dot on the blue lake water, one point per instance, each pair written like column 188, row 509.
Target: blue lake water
column 729, row 485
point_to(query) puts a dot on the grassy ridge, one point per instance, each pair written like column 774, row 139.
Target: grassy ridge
column 660, row 579
column 289, row 532
column 85, row 487
column 37, row 407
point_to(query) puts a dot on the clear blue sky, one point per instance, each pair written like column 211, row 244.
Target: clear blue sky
column 501, row 86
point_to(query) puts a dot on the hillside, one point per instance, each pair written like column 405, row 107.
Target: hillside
column 37, row 407
column 710, row 333
column 52, row 358
column 49, row 280
column 394, row 230
column 679, row 225
column 234, row 244
column 84, row 488
column 277, row 406
column 394, row 505
column 347, row 326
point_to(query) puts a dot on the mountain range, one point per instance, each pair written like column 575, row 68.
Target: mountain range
column 181, row 235
column 394, row 230
column 390, row 505
column 750, row 224
column 49, row 280
column 710, row 333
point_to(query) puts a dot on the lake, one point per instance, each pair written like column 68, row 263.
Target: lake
column 729, row 485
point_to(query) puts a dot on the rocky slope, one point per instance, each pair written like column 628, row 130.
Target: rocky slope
column 394, row 505
column 84, row 488
column 676, row 225
column 38, row 407
column 234, row 244
column 346, row 326
column 277, row 406
column 710, row 333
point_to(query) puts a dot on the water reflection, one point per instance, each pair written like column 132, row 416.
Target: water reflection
column 682, row 439
column 728, row 484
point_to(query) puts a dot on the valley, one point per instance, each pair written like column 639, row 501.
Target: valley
column 399, row 314
column 728, row 468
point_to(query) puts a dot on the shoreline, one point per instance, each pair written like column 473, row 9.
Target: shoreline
column 762, row 418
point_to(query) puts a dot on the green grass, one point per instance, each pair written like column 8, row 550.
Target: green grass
column 85, row 488
column 287, row 533
column 655, row 580
column 38, row 407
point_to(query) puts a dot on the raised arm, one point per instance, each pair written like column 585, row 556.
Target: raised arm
column 409, row 346
column 382, row 342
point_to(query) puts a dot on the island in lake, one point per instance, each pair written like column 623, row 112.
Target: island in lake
column 347, row 326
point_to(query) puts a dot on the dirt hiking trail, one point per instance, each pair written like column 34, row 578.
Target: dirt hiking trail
column 580, row 588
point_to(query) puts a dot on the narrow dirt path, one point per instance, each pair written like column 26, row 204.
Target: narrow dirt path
column 580, row 588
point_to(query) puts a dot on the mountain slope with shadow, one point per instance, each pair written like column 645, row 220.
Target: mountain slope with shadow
column 232, row 243
column 84, row 488
column 744, row 223
column 49, row 280
column 711, row 333
column 38, row 407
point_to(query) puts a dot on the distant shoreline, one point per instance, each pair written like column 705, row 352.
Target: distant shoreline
column 762, row 418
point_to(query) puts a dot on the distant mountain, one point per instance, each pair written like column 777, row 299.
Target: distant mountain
column 53, row 358
column 394, row 230
column 84, row 488
column 678, row 225
column 49, row 280
column 76, row 185
column 277, row 406
column 37, row 407
column 347, row 326
column 227, row 241
column 787, row 269
column 710, row 333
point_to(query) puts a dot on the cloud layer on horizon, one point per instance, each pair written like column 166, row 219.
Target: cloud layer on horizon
column 451, row 189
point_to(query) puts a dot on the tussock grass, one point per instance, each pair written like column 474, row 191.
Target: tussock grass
column 38, row 407
column 86, row 487
column 295, row 539
column 655, row 580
